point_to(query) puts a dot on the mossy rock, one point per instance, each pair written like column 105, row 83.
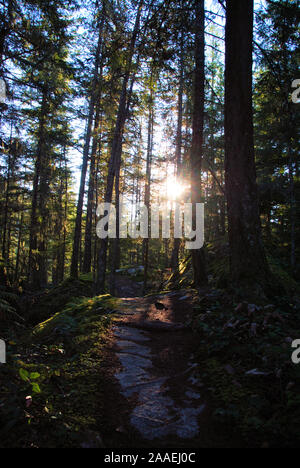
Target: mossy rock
column 76, row 316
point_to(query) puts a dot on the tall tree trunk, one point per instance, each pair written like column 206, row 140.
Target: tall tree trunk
column 175, row 252
column 198, row 256
column 18, row 254
column 148, row 184
column 293, row 209
column 78, row 222
column 116, row 149
column 115, row 243
column 61, row 221
column 249, row 268
column 6, row 206
column 87, row 262
column 95, row 247
column 33, row 273
column 43, row 210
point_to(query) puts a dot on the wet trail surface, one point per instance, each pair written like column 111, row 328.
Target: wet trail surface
column 157, row 369
column 158, row 397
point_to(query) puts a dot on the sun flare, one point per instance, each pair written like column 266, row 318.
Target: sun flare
column 175, row 188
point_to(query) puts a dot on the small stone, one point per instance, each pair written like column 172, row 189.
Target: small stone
column 256, row 372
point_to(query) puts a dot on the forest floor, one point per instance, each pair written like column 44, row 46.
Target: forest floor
column 155, row 396
column 128, row 287
column 116, row 372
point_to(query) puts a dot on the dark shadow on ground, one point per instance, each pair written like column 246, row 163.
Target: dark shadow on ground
column 157, row 393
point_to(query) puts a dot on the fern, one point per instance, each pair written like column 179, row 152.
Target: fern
column 7, row 309
column 7, row 296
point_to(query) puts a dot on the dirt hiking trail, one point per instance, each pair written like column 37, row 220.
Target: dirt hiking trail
column 155, row 396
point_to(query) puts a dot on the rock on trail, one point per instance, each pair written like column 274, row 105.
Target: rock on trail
column 155, row 352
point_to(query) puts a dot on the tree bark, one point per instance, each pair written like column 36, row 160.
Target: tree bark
column 249, row 268
column 78, row 222
column 87, row 262
column 178, row 155
column 148, row 184
column 116, row 149
column 33, row 273
column 6, row 206
column 198, row 256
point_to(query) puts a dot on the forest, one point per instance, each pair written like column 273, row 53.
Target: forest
column 149, row 198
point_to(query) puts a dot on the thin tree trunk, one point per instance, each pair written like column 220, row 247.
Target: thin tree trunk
column 95, row 251
column 87, row 262
column 4, row 249
column 66, row 204
column 198, row 257
column 116, row 149
column 148, row 185
column 178, row 158
column 33, row 274
column 61, row 224
column 293, row 211
column 43, row 210
column 16, row 275
column 115, row 243
column 78, row 222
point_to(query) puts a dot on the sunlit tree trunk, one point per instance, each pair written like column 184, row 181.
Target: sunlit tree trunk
column 148, row 184
column 115, row 243
column 58, row 270
column 116, row 149
column 78, row 222
column 178, row 152
column 87, row 262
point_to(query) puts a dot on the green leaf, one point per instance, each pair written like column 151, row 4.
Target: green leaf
column 34, row 375
column 24, row 375
column 35, row 387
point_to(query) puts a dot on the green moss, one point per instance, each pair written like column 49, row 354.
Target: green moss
column 55, row 299
column 77, row 315
column 66, row 351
